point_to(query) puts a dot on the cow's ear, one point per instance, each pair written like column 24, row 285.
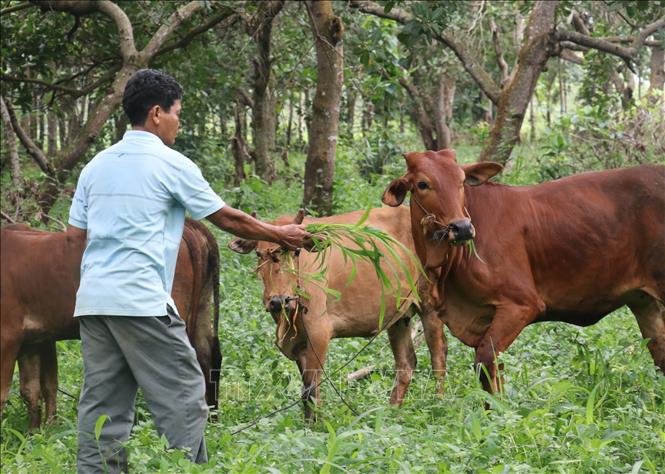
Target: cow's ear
column 396, row 191
column 478, row 173
column 243, row 245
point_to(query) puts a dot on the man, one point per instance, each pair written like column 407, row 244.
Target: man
column 129, row 207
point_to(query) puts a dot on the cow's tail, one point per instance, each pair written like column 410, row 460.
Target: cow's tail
column 196, row 257
column 213, row 268
column 204, row 253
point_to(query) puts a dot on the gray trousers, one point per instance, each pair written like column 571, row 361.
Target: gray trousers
column 121, row 354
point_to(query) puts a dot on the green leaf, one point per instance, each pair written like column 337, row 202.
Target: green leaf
column 99, row 425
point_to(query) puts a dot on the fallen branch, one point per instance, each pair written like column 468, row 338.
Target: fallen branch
column 416, row 333
column 7, row 217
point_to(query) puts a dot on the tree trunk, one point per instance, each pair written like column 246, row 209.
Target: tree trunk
column 263, row 116
column 120, row 121
column 52, row 127
column 9, row 137
column 350, row 110
column 368, row 115
column 422, row 111
column 517, row 93
column 488, row 115
column 238, row 145
column 289, row 123
column 532, row 119
column 562, row 107
column 62, row 129
column 629, row 88
column 323, row 132
column 307, row 115
column 657, row 65
column 401, row 118
column 223, row 130
column 301, row 111
column 443, row 111
column 34, row 122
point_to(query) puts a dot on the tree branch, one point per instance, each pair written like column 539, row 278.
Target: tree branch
column 15, row 8
column 108, row 8
column 244, row 98
column 183, row 42
column 604, row 44
column 573, row 46
column 33, row 150
column 181, row 15
column 468, row 60
column 503, row 66
column 648, row 31
column 568, row 55
column 630, row 39
column 48, row 85
column 125, row 30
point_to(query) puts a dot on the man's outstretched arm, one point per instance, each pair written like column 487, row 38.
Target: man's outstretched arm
column 243, row 225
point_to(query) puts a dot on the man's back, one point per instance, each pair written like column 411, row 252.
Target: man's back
column 131, row 199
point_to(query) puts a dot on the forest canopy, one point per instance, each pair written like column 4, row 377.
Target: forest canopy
column 280, row 90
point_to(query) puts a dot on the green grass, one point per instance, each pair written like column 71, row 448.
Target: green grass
column 577, row 400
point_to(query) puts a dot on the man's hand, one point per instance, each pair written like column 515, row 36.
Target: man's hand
column 294, row 236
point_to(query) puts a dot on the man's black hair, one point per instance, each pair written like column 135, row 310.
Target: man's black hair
column 147, row 88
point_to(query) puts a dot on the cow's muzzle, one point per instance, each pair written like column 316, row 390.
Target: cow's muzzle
column 280, row 303
column 460, row 231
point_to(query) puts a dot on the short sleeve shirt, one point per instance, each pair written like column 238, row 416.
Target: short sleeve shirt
column 132, row 198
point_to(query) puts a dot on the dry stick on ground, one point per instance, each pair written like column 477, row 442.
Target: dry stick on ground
column 416, row 335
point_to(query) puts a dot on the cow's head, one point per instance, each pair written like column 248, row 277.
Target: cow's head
column 438, row 213
column 278, row 268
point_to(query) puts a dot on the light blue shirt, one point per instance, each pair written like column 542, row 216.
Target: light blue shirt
column 131, row 198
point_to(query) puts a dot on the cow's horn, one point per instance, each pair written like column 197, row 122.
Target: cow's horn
column 299, row 217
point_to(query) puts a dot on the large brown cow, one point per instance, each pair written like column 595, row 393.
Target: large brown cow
column 306, row 324
column 569, row 250
column 40, row 276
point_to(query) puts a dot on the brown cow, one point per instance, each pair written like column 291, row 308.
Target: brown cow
column 40, row 272
column 303, row 334
column 570, row 250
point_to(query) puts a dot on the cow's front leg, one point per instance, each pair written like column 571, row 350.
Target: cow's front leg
column 508, row 322
column 311, row 363
column 437, row 345
column 405, row 358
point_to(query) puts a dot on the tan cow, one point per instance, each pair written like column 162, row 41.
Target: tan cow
column 308, row 318
column 40, row 276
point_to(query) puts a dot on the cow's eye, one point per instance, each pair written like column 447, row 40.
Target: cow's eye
column 422, row 185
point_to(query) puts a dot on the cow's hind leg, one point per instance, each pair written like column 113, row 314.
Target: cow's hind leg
column 650, row 314
column 405, row 358
column 48, row 375
column 28, row 369
column 10, row 348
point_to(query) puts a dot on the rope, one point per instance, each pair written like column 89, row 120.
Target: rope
column 304, row 325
